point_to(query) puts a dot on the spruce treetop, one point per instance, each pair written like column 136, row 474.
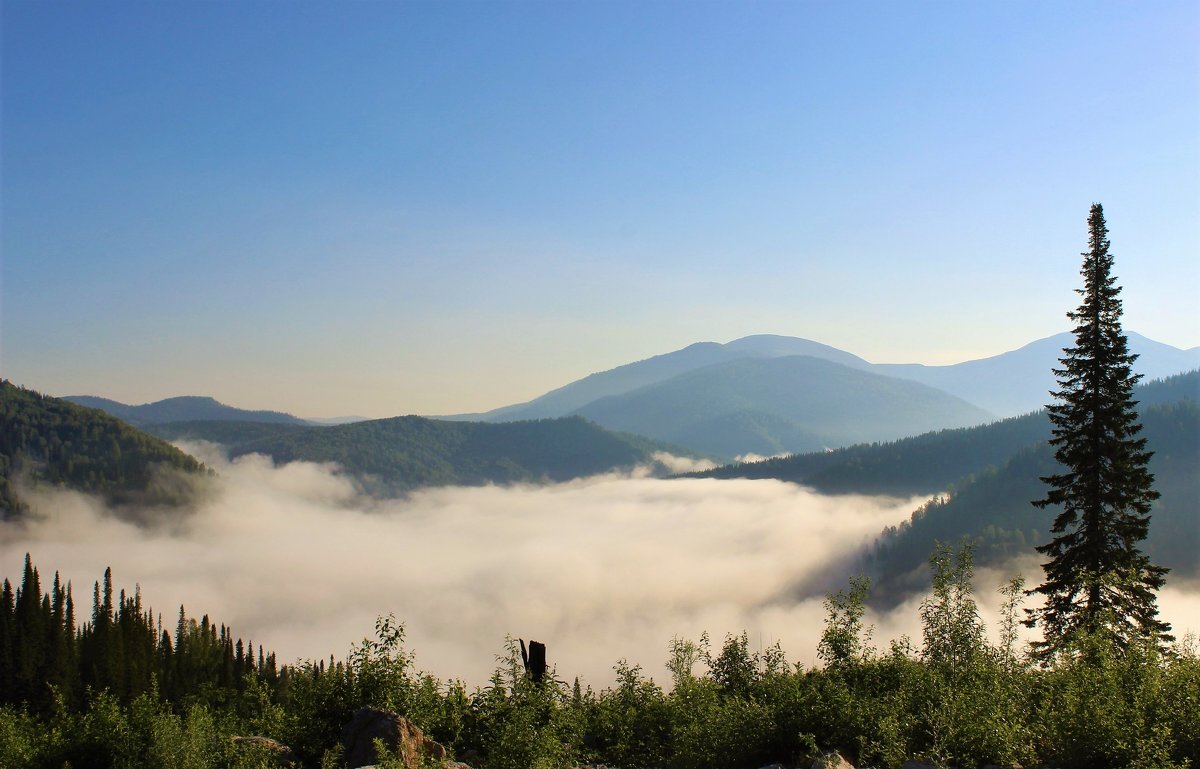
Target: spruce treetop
column 1098, row 582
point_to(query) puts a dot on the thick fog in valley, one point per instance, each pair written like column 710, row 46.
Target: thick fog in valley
column 601, row 569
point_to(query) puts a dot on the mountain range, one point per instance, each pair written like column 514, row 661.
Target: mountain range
column 768, row 394
column 55, row 442
column 762, row 394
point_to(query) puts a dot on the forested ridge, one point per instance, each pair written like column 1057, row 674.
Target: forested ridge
column 55, row 442
column 390, row 456
column 985, row 477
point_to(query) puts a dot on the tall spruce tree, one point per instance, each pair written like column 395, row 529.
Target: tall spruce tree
column 1097, row 579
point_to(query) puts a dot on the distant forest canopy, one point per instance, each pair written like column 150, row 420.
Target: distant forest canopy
column 51, row 441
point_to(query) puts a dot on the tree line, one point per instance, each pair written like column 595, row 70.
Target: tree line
column 50, row 660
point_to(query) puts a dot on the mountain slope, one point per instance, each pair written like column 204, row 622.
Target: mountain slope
column 181, row 409
column 53, row 441
column 796, row 403
column 389, row 456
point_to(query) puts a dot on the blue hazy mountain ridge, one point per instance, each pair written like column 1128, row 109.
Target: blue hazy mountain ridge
column 1008, row 384
column 771, row 405
column 1019, row 381
column 659, row 368
column 181, row 409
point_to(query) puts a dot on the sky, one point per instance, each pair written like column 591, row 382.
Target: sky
column 382, row 208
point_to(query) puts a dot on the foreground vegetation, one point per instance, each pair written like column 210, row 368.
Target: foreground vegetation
column 119, row 692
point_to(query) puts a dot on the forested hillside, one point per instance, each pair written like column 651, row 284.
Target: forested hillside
column 922, row 464
column 52, row 441
column 993, row 507
column 388, row 456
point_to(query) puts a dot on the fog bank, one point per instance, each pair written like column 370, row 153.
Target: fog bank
column 599, row 569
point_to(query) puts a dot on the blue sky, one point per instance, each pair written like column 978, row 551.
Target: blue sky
column 384, row 208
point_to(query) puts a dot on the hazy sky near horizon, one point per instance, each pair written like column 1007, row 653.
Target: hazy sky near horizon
column 383, row 208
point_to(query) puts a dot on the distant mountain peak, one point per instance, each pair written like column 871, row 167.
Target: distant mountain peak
column 181, row 408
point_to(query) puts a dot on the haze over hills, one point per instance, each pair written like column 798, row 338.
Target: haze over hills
column 739, row 398
column 660, row 368
column 1020, row 381
column 1009, row 384
column 770, row 405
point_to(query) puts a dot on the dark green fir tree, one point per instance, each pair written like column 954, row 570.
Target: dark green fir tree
column 1098, row 582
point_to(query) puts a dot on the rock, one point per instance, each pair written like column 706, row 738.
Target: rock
column 399, row 735
column 832, row 760
column 280, row 752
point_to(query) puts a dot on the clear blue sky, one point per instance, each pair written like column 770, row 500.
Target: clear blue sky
column 382, row 208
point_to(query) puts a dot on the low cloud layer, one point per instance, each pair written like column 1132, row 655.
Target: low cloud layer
column 599, row 569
